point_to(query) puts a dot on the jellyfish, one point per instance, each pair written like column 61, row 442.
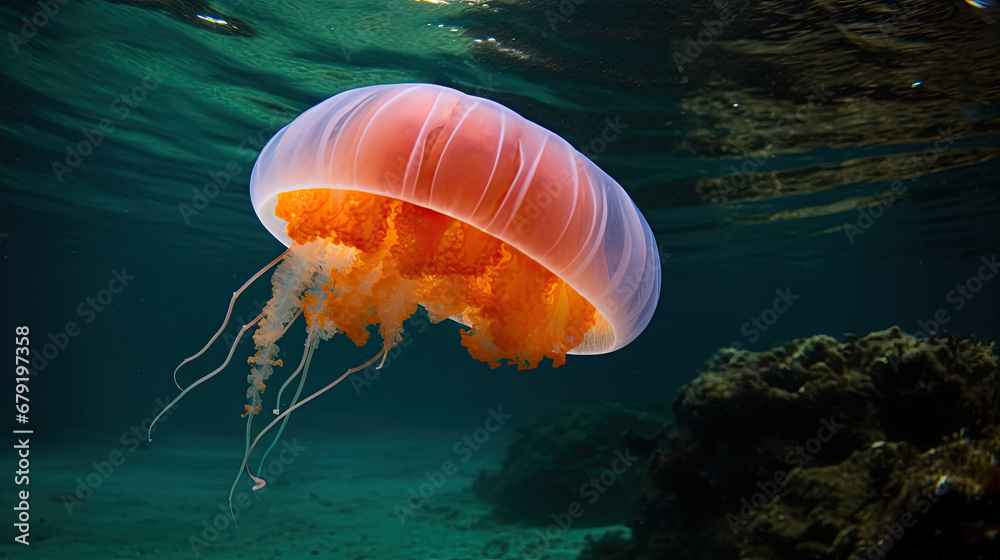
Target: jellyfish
column 394, row 197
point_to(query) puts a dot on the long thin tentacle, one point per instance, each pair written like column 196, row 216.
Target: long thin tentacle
column 149, row 435
column 229, row 312
column 310, row 348
column 296, row 372
column 305, row 355
column 259, row 481
column 240, row 472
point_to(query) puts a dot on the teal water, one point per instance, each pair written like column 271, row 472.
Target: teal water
column 763, row 158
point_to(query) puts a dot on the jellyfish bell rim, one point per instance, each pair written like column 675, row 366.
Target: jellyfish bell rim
column 266, row 184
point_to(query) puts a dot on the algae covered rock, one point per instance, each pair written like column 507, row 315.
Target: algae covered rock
column 885, row 446
column 595, row 457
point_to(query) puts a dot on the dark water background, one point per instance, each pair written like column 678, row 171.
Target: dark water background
column 209, row 86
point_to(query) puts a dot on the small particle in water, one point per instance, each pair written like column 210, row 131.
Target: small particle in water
column 878, row 444
column 736, row 104
column 214, row 20
column 915, row 84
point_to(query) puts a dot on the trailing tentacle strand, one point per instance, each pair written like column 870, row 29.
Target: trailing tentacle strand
column 288, row 283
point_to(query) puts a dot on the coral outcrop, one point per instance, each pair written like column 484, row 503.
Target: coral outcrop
column 885, row 446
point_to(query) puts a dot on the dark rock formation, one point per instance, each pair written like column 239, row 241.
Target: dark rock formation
column 885, row 446
column 595, row 457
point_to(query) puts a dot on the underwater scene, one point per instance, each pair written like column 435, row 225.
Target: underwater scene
column 500, row 279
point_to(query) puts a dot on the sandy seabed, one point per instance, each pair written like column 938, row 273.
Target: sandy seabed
column 328, row 495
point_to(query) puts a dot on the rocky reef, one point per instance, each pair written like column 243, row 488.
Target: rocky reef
column 885, row 446
column 594, row 457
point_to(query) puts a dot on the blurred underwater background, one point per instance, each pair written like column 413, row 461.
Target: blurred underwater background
column 819, row 381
